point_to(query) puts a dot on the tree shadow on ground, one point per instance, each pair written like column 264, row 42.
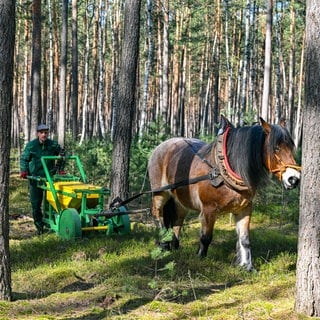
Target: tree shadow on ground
column 192, row 278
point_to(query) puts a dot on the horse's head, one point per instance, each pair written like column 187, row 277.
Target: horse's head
column 278, row 154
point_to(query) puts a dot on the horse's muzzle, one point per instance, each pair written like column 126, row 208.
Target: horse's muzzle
column 291, row 178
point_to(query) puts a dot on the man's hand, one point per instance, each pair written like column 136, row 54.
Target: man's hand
column 23, row 174
column 62, row 152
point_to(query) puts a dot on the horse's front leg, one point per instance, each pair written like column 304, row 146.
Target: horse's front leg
column 207, row 224
column 243, row 242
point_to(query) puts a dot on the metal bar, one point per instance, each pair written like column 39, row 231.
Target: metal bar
column 49, row 180
column 94, row 228
column 110, row 214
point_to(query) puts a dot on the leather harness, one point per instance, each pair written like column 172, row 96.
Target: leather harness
column 221, row 172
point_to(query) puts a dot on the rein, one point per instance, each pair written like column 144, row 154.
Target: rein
column 118, row 202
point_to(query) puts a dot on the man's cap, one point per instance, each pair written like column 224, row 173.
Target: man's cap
column 42, row 127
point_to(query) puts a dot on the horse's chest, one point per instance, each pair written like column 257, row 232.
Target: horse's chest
column 235, row 204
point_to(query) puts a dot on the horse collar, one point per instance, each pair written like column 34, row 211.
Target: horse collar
column 221, row 156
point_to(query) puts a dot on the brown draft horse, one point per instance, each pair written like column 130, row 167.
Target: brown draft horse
column 220, row 177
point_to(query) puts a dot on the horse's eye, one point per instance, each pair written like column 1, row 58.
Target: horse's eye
column 277, row 149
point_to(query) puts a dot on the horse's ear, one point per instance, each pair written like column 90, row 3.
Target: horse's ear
column 224, row 124
column 283, row 122
column 265, row 125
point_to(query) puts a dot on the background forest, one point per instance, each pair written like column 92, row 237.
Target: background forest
column 244, row 59
column 197, row 59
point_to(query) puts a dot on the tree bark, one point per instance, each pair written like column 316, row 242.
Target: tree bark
column 26, row 104
column 63, row 74
column 36, row 66
column 101, row 58
column 267, row 64
column 85, row 86
column 246, row 57
column 228, row 62
column 125, row 100
column 308, row 264
column 7, row 39
column 292, row 70
column 148, row 68
column 116, row 51
column 165, row 61
column 298, row 129
column 75, row 76
column 51, row 62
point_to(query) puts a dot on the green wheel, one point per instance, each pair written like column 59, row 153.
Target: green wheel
column 69, row 224
column 121, row 223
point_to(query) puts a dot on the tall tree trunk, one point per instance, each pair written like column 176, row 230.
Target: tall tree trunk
column 278, row 83
column 298, row 129
column 7, row 39
column 36, row 66
column 183, row 73
column 85, row 85
column 75, row 76
column 308, row 264
column 63, row 74
column 26, row 100
column 253, row 63
column 245, row 60
column 292, row 69
column 101, row 59
column 216, row 85
column 51, row 69
column 148, row 67
column 267, row 64
column 94, row 66
column 116, row 51
column 176, row 56
column 126, row 100
column 182, row 91
column 228, row 62
column 165, row 60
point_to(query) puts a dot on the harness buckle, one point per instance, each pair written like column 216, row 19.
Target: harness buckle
column 215, row 177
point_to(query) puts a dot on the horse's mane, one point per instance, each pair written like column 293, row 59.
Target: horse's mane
column 245, row 151
column 279, row 135
column 245, row 154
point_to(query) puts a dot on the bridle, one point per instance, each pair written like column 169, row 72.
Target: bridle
column 283, row 166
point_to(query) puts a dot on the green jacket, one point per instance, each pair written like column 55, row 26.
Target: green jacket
column 30, row 159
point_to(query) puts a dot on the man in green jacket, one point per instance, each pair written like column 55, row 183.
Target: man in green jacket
column 30, row 165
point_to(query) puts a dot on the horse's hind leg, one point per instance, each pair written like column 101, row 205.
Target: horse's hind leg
column 207, row 224
column 177, row 216
column 169, row 214
column 243, row 243
column 161, row 202
column 158, row 202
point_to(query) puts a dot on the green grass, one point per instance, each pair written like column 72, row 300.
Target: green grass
column 116, row 277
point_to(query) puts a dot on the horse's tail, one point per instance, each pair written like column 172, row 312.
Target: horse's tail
column 169, row 213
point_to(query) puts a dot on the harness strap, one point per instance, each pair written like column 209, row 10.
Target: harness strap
column 219, row 174
column 283, row 166
column 118, row 202
column 230, row 177
column 198, row 155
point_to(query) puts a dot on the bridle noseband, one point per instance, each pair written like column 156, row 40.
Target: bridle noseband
column 283, row 166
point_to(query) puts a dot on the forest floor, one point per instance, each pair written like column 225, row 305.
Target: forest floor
column 124, row 277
